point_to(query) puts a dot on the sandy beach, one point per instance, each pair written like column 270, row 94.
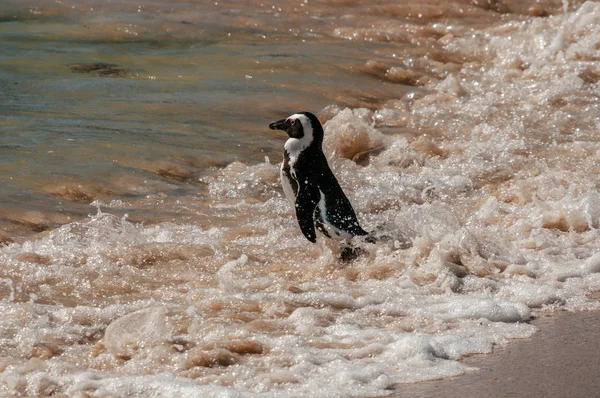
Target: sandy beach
column 561, row 360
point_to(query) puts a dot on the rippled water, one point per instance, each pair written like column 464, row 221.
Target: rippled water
column 105, row 101
column 469, row 129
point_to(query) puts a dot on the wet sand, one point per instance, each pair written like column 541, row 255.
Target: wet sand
column 561, row 360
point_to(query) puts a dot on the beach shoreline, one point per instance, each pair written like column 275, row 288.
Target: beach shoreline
column 560, row 360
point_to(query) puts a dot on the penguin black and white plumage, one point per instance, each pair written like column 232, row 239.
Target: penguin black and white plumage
column 309, row 184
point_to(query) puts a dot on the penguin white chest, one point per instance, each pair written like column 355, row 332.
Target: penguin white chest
column 294, row 148
column 288, row 181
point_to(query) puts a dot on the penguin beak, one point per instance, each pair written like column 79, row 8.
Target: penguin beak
column 279, row 125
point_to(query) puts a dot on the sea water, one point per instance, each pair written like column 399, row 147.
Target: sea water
column 148, row 249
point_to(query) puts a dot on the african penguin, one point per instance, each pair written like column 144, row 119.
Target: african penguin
column 308, row 183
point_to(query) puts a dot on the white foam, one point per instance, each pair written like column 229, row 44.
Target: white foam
column 162, row 384
column 142, row 329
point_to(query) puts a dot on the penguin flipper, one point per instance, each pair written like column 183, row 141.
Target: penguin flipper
column 306, row 202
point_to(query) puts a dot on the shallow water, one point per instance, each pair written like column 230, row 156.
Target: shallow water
column 127, row 100
column 467, row 132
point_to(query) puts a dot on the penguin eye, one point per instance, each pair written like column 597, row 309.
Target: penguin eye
column 292, row 121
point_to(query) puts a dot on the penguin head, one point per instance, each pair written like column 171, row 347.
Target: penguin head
column 303, row 126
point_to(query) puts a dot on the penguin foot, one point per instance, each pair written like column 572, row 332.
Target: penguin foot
column 349, row 253
column 370, row 238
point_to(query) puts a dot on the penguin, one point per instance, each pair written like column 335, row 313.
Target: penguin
column 310, row 186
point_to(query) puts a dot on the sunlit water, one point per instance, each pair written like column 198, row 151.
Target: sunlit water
column 467, row 133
